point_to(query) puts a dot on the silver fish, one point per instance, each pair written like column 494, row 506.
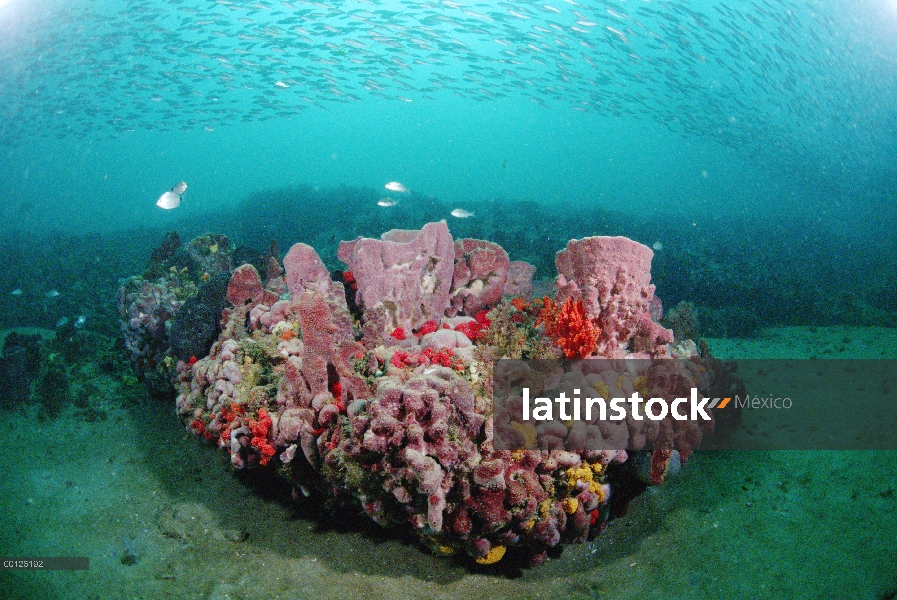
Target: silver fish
column 460, row 213
column 395, row 186
column 80, row 321
column 62, row 322
column 387, row 202
column 16, row 292
column 168, row 200
column 180, row 188
column 53, row 294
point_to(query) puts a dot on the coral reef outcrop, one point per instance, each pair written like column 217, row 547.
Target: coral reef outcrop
column 387, row 409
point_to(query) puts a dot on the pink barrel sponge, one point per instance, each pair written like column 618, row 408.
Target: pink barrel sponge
column 481, row 271
column 408, row 274
column 520, row 280
column 612, row 277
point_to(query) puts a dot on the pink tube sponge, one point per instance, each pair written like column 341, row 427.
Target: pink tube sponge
column 245, row 285
column 305, row 271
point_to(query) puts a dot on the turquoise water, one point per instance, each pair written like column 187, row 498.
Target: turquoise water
column 751, row 144
column 694, row 108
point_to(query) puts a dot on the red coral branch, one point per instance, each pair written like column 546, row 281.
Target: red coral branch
column 568, row 327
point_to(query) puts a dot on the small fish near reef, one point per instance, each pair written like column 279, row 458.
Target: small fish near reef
column 168, row 200
column 53, row 294
column 387, row 202
column 16, row 292
column 80, row 322
column 172, row 199
column 460, row 213
column 395, row 186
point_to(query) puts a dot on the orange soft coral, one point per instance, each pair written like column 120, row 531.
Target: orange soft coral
column 568, row 327
column 260, row 429
column 228, row 414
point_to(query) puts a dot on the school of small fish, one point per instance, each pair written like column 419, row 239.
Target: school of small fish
column 787, row 76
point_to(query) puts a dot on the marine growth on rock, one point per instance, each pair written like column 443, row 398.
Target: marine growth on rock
column 387, row 410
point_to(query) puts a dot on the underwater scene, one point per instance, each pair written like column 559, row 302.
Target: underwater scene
column 314, row 299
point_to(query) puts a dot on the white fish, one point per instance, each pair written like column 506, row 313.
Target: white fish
column 387, row 202
column 657, row 246
column 395, row 186
column 168, row 200
column 62, row 322
column 180, row 188
column 617, row 33
column 461, row 213
column 52, row 294
column 80, row 321
column 615, row 14
column 16, row 292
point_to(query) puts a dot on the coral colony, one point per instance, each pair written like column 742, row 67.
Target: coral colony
column 372, row 388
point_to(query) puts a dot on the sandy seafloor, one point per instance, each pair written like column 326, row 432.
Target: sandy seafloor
column 138, row 489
